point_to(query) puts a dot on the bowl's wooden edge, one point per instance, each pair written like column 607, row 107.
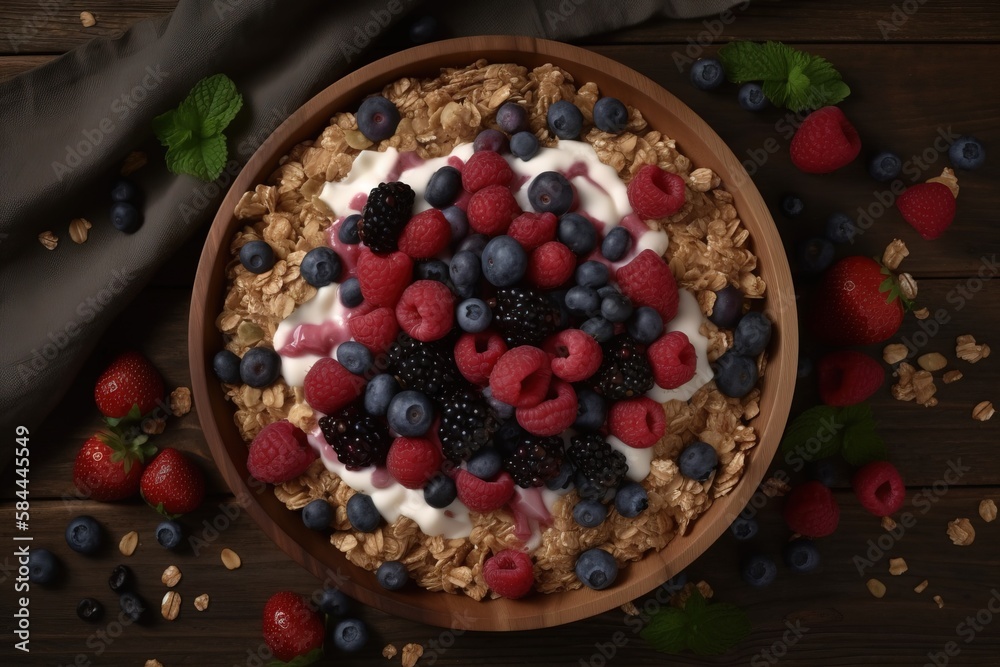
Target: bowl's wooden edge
column 665, row 113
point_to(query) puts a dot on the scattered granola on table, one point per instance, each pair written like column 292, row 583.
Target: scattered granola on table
column 988, row 510
column 961, row 532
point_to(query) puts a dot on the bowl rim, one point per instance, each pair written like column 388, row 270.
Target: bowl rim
column 459, row 611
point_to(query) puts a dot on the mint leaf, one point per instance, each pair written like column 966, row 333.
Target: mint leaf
column 202, row 159
column 714, row 629
column 750, row 61
column 862, row 444
column 216, row 100
column 666, row 631
column 814, row 434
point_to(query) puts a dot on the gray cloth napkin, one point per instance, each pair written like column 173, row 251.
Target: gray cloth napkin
column 66, row 127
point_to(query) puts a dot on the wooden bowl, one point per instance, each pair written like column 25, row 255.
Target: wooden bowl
column 664, row 112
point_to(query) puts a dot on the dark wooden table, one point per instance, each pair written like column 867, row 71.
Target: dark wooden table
column 917, row 68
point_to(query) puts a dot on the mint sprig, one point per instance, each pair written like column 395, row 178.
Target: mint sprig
column 790, row 78
column 192, row 133
column 702, row 628
column 824, row 431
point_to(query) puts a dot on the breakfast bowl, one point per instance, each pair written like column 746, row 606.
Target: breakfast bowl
column 741, row 226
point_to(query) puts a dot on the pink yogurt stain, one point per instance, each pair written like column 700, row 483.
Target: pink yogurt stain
column 407, row 160
column 348, row 253
column 381, row 479
column 319, row 339
column 528, row 506
column 358, row 201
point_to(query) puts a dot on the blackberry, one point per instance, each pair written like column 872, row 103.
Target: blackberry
column 385, row 214
column 535, row 460
column 426, row 367
column 525, row 316
column 624, row 372
column 598, row 466
column 360, row 440
column 467, row 425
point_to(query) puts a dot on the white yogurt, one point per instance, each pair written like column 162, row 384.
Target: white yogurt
column 639, row 460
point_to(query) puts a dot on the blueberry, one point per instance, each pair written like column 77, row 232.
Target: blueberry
column 124, row 190
column 362, row 513
column 392, row 575
column 804, row 368
column 646, row 325
column 801, row 556
column 577, row 233
column 885, row 166
column 502, row 410
column 631, row 500
column 524, row 145
column 563, row 479
column 334, row 602
column 583, row 301
column 491, row 140
column 355, row 357
column 425, row 29
column 743, row 528
column 815, row 255
column 728, row 307
column 751, row 97
column 596, row 569
column 440, row 491
column 735, row 375
column 473, row 315
column 698, row 460
column 474, row 243
column 550, row 192
column 350, row 635
column 504, row 261
column 133, row 606
column 226, row 366
column 617, row 242
column 840, row 228
column 257, row 257
column 599, row 328
column 967, row 153
column 823, row 471
column 512, row 118
column 169, row 534
column 607, row 290
column 459, row 223
column 125, row 217
column 707, row 74
column 590, row 513
column 792, row 205
column 317, row 515
column 350, row 293
column 377, row 118
column 759, row 571
column 260, row 367
column 443, row 187
column 752, row 334
column 434, row 269
column 410, row 413
column 349, row 232
column 508, row 436
column 591, row 410
column 587, row 489
column 90, row 610
column 592, row 274
column 485, row 464
column 378, row 394
column 43, row 567
column 320, row 267
column 616, row 308
column 465, row 268
column 120, row 579
column 565, row 120
column 610, row 115
column 84, row 535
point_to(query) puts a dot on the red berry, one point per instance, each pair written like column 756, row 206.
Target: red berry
column 383, row 277
column 291, row 627
column 425, row 235
column 575, row 355
column 129, row 380
column 850, row 306
column 485, row 168
column 509, row 573
column 375, row 329
column 330, row 387
column 480, row 495
column 879, row 487
column 521, row 377
column 477, row 353
column 172, row 483
column 553, row 415
column 655, row 193
column 550, row 265
column 279, row 453
column 426, row 310
column 673, row 359
column 412, row 461
column 108, row 468
column 647, row 281
column 492, row 209
column 825, row 142
column 928, row 207
column 847, row 377
column 638, row 422
column 532, row 229
column 811, row 510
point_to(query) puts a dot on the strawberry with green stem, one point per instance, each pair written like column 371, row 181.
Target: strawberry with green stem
column 129, row 387
column 859, row 302
column 110, row 463
column 172, row 484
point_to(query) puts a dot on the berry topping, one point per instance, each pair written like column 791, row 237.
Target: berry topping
column 485, row 464
column 490, row 140
column 440, row 491
column 512, row 117
column 279, row 453
column 524, row 316
column 550, row 265
column 631, row 500
column 426, row 310
column 347, row 232
column 260, row 367
column 317, row 515
column 599, row 467
column 647, row 281
column 477, row 353
column 443, row 187
column 673, row 359
column 410, row 413
column 534, row 460
column 509, row 573
column 624, row 371
column 847, row 377
column 811, row 510
column 928, row 207
column 486, row 168
column 655, row 193
column 360, row 441
column 616, row 244
column 554, row 414
column 532, row 229
column 385, row 213
column 504, row 261
column 467, row 425
column 426, row 235
column 378, row 394
column 879, row 488
column 320, row 267
column 577, row 233
column 473, row 315
column 590, row 513
column 825, row 142
column 392, row 575
column 426, row 367
column 638, row 422
column 550, row 192
column 575, row 356
column 480, row 495
column 591, row 411
column 384, row 277
column 329, row 386
column 521, row 377
column 375, row 329
column 492, row 209
column 524, row 145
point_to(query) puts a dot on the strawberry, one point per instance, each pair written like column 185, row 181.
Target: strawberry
column 108, row 466
column 848, row 377
column 928, row 207
column 858, row 303
column 130, row 380
column 292, row 628
column 172, row 483
column 825, row 142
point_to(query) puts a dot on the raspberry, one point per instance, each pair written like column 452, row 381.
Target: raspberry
column 638, row 422
column 553, row 415
column 383, row 277
column 551, row 265
column 330, row 387
column 928, row 207
column 647, row 281
column 482, row 496
column 279, row 453
column 509, row 573
column 811, row 510
column 575, row 355
column 673, row 359
column 425, row 235
column 426, row 310
column 521, row 377
column 412, row 461
column 375, row 329
column 847, row 377
column 879, row 487
column 492, row 209
column 655, row 193
column 532, row 229
column 477, row 353
column 825, row 142
column 485, row 168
